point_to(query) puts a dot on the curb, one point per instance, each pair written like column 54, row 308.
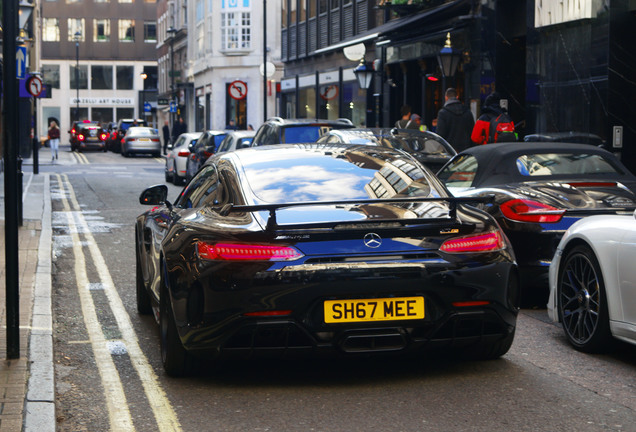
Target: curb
column 39, row 407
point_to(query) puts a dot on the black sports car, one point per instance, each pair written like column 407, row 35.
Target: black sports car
column 346, row 249
column 540, row 189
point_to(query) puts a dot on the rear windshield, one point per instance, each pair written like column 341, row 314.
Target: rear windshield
column 303, row 134
column 296, row 176
column 143, row 131
column 547, row 164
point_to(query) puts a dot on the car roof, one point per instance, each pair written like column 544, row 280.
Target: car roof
column 305, row 121
column 496, row 164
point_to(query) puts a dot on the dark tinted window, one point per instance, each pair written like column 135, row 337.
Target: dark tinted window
column 201, row 189
column 300, row 134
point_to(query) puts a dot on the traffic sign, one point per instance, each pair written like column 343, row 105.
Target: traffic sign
column 173, row 107
column 237, row 90
column 20, row 62
column 147, row 107
column 34, row 85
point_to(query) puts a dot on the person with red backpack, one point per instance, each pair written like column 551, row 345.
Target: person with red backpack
column 494, row 124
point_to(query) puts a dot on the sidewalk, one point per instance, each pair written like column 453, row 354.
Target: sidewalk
column 27, row 391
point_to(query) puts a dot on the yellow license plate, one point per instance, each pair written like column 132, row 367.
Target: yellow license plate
column 380, row 309
column 143, row 139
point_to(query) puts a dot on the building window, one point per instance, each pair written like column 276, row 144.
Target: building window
column 126, row 30
column 150, row 31
column 51, row 75
column 50, row 30
column 101, row 32
column 76, row 25
column 101, row 77
column 236, row 26
column 82, row 76
column 125, row 77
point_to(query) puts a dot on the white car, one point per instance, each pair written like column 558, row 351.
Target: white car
column 178, row 156
column 235, row 140
column 593, row 282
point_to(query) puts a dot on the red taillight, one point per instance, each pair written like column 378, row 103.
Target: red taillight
column 80, row 137
column 184, row 153
column 488, row 242
column 471, row 303
column 154, row 139
column 521, row 210
column 269, row 313
column 73, row 131
column 103, row 137
column 249, row 252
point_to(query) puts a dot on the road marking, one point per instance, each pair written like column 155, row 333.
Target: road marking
column 80, row 158
column 162, row 409
column 162, row 161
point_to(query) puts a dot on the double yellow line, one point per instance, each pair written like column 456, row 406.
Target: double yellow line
column 80, row 158
column 119, row 414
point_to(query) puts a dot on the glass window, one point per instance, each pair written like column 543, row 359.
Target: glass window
column 51, row 30
column 126, row 30
column 236, row 23
column 101, row 77
column 78, row 114
column 102, row 115
column 548, row 164
column 82, row 75
column 125, row 78
column 323, row 6
column 123, row 113
column 460, row 173
column 101, row 30
column 312, row 8
column 150, row 31
column 51, row 75
column 76, row 29
column 201, row 189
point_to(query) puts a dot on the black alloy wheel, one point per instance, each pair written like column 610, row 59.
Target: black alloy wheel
column 582, row 302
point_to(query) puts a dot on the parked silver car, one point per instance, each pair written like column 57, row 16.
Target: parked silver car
column 235, row 140
column 141, row 140
column 178, row 157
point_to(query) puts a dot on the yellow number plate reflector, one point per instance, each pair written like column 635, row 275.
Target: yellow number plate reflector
column 381, row 309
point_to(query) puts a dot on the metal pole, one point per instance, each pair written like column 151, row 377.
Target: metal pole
column 11, row 142
column 36, row 139
column 265, row 60
column 77, row 116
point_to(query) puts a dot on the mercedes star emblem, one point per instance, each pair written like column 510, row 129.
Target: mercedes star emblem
column 372, row 240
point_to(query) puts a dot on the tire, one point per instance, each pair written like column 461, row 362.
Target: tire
column 582, row 301
column 177, row 362
column 490, row 351
column 144, row 304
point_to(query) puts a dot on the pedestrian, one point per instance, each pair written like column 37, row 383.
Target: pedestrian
column 415, row 118
column 166, row 136
column 178, row 129
column 405, row 122
column 455, row 122
column 54, row 139
column 250, row 127
column 231, row 125
column 494, row 124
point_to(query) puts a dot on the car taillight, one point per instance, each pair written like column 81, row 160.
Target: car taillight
column 485, row 242
column 154, row 139
column 80, row 137
column 522, row 210
column 73, row 131
column 184, row 153
column 103, row 137
column 246, row 252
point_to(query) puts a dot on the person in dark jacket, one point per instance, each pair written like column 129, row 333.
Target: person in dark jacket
column 406, row 122
column 166, row 136
column 455, row 122
column 179, row 128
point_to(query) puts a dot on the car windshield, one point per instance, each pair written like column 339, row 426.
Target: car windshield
column 547, row 164
column 296, row 176
column 218, row 139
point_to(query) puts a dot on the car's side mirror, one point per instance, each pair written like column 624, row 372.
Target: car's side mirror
column 154, row 195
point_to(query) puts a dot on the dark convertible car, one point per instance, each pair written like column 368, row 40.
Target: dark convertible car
column 321, row 250
column 539, row 190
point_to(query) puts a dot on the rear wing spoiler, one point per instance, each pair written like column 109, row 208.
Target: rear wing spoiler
column 272, row 208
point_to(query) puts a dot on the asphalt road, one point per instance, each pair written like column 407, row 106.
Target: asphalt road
column 109, row 374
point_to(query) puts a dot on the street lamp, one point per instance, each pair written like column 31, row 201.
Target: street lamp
column 24, row 13
column 364, row 75
column 144, row 75
column 171, row 31
column 448, row 59
column 77, row 37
